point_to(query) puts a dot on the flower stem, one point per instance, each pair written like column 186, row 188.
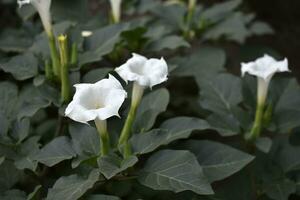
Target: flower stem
column 104, row 136
column 256, row 128
column 74, row 54
column 137, row 94
column 64, row 59
column 54, row 55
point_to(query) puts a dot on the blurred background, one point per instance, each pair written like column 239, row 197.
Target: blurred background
column 282, row 15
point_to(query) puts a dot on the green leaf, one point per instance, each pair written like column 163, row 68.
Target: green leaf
column 72, row 187
column 8, row 96
column 85, row 142
column 170, row 130
column 264, row 144
column 224, row 124
column 261, row 28
column 102, row 197
column 234, row 27
column 280, row 190
column 169, row 42
column 287, row 112
column 218, row 11
column 26, row 152
column 9, row 175
column 202, row 64
column 31, row 101
column 20, row 129
column 221, row 94
column 218, row 160
column 13, row 195
column 35, row 195
column 151, row 106
column 111, row 165
column 172, row 15
column 101, row 43
column 176, row 171
column 286, row 154
column 95, row 75
column 14, row 40
column 56, row 151
column 22, row 67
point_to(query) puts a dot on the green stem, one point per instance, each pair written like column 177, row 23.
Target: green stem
column 257, row 126
column 104, row 136
column 65, row 82
column 48, row 70
column 137, row 93
column 54, row 56
column 74, row 54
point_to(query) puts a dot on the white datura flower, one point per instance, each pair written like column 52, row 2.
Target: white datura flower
column 264, row 68
column 116, row 9
column 43, row 8
column 143, row 71
column 97, row 101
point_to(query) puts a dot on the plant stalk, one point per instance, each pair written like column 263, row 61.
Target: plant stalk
column 104, row 136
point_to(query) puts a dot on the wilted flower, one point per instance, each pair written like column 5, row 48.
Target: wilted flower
column 264, row 68
column 43, row 8
column 116, row 10
column 145, row 72
column 100, row 100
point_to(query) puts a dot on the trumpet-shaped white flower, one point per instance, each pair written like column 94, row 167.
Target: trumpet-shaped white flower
column 43, row 8
column 116, row 10
column 264, row 68
column 97, row 101
column 145, row 72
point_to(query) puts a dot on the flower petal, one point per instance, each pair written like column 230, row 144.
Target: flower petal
column 143, row 71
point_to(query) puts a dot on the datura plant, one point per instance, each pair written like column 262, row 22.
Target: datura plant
column 134, row 99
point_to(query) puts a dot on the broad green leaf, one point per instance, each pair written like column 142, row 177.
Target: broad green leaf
column 233, row 28
column 218, row 160
column 72, row 187
column 8, row 96
column 218, row 11
column 237, row 187
column 170, row 130
column 13, row 195
column 20, row 129
column 13, row 40
column 56, row 151
column 172, row 15
column 112, row 164
column 22, row 67
column 169, row 42
column 264, row 144
column 9, row 175
column 287, row 112
column 26, row 152
column 280, row 190
column 176, row 171
column 30, row 102
column 102, row 197
column 4, row 124
column 85, row 142
column 96, row 75
column 101, row 43
column 286, row 154
column 220, row 94
column 261, row 28
column 201, row 64
column 59, row 12
column 224, row 124
column 151, row 106
column 35, row 195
